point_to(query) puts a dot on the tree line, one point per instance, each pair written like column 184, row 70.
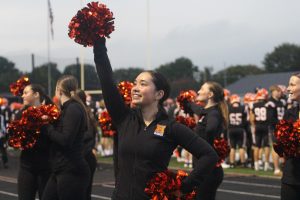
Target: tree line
column 181, row 73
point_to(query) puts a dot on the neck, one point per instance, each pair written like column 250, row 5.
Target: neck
column 149, row 113
column 210, row 103
column 63, row 99
column 36, row 103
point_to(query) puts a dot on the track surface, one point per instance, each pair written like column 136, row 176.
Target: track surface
column 232, row 188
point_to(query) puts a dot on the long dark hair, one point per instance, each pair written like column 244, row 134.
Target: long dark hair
column 81, row 94
column 69, row 85
column 218, row 98
column 44, row 98
column 161, row 83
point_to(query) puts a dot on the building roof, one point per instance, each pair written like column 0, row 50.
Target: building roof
column 249, row 83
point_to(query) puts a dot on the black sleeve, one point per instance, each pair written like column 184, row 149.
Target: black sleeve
column 212, row 126
column 193, row 108
column 112, row 98
column 206, row 155
column 71, row 123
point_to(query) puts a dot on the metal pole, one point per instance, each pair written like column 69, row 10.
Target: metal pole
column 148, row 36
column 48, row 51
column 32, row 61
column 82, row 85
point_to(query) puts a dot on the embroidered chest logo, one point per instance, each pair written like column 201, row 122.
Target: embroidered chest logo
column 160, row 130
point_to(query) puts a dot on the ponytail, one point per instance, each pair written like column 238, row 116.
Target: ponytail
column 224, row 110
column 218, row 98
column 76, row 98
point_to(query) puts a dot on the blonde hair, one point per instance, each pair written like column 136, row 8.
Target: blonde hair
column 218, row 98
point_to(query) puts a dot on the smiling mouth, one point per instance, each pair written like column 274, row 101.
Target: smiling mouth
column 136, row 96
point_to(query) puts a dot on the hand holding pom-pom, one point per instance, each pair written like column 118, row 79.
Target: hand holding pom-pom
column 91, row 23
column 222, row 148
column 184, row 98
column 125, row 90
column 18, row 87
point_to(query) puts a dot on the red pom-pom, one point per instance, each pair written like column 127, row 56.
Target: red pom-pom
column 23, row 133
column 106, row 124
column 287, row 136
column 187, row 121
column 184, row 97
column 222, row 148
column 125, row 90
column 164, row 185
column 91, row 23
column 18, row 87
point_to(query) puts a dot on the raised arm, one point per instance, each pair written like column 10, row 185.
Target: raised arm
column 112, row 98
column 206, row 155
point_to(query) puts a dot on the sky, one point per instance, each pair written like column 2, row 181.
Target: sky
column 211, row 33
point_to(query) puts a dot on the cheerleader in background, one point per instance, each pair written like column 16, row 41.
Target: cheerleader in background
column 213, row 120
column 290, row 182
column 70, row 175
column 90, row 147
column 34, row 168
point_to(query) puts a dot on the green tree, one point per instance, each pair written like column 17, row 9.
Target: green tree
column 181, row 68
column 128, row 74
column 91, row 80
column 284, row 58
column 39, row 75
column 236, row 72
column 8, row 75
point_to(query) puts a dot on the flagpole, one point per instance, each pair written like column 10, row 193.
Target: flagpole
column 48, row 50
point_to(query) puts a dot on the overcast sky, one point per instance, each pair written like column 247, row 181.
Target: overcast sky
column 211, row 33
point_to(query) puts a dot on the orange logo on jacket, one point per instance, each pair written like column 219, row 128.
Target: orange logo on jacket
column 160, row 130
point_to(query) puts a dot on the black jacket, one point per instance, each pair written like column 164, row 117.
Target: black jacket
column 36, row 158
column 210, row 123
column 291, row 170
column 145, row 150
column 67, row 138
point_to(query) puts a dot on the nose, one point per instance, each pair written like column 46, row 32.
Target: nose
column 135, row 88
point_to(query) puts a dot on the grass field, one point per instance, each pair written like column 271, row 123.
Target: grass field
column 238, row 170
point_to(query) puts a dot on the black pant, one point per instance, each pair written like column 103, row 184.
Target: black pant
column 290, row 192
column 208, row 190
column 31, row 181
column 4, row 153
column 67, row 185
column 92, row 162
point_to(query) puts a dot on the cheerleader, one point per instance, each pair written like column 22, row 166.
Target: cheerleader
column 70, row 175
column 34, row 168
column 146, row 135
column 290, row 182
column 212, row 122
column 90, row 142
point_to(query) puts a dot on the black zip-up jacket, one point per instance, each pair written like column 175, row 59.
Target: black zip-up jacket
column 145, row 150
column 36, row 158
column 67, row 139
column 291, row 170
column 210, row 123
